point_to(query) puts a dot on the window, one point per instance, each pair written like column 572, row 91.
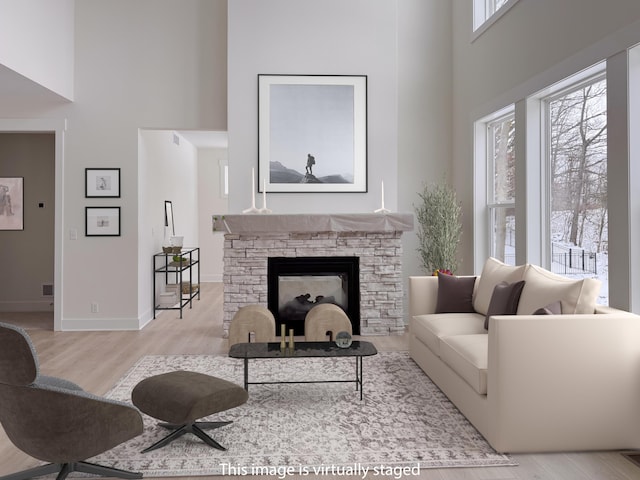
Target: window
column 486, row 12
column 501, row 188
column 576, row 120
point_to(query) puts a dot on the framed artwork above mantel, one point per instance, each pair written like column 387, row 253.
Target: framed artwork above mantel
column 312, row 133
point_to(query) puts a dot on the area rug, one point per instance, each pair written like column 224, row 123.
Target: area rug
column 404, row 424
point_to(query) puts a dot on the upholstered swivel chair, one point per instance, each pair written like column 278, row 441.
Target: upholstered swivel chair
column 54, row 420
column 252, row 319
column 324, row 321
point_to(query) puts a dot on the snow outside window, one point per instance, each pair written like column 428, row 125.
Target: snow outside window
column 577, row 191
column 501, row 188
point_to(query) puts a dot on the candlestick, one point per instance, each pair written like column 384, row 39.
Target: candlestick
column 264, row 208
column 291, row 345
column 283, row 330
column 382, row 209
column 253, row 208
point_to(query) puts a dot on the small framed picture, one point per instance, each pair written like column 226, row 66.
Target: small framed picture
column 102, row 182
column 102, row 221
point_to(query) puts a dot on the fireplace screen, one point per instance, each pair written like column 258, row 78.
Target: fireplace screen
column 296, row 285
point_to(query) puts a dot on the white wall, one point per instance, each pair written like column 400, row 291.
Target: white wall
column 167, row 171
column 37, row 41
column 154, row 64
column 210, row 201
column 534, row 45
column 404, row 48
column 424, row 107
column 333, row 37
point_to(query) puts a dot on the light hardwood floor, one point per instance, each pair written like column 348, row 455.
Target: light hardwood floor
column 96, row 360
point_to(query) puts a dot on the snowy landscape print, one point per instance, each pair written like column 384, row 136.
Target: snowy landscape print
column 312, row 133
column 316, row 121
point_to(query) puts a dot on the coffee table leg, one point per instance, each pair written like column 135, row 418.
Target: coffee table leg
column 246, row 374
column 359, row 360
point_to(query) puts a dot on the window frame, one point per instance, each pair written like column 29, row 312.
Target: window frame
column 484, row 15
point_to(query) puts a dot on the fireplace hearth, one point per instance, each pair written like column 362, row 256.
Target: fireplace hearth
column 297, row 284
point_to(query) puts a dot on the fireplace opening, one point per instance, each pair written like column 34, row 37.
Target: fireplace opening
column 297, row 284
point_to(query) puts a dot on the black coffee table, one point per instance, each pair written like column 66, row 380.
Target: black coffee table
column 357, row 349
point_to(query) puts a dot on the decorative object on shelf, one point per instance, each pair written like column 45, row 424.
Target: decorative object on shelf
column 439, row 227
column 283, row 332
column 343, row 339
column 291, row 343
column 179, row 275
column 305, row 146
column 102, row 221
column 11, row 203
column 382, row 209
column 102, row 182
column 176, row 243
column 264, row 208
column 252, row 208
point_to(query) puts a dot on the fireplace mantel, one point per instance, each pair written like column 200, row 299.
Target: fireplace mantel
column 304, row 223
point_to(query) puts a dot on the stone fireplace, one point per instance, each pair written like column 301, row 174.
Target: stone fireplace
column 375, row 239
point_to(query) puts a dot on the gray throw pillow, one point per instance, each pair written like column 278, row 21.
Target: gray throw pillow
column 455, row 294
column 554, row 308
column 504, row 300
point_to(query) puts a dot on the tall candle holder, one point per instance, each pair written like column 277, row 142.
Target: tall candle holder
column 253, row 208
column 382, row 209
column 264, row 208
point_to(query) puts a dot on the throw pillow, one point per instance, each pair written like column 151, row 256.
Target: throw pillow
column 455, row 294
column 554, row 308
column 504, row 300
column 494, row 272
column 576, row 296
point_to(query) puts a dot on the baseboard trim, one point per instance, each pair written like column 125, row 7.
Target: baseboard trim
column 103, row 324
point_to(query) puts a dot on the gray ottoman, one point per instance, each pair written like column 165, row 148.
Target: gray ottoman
column 180, row 398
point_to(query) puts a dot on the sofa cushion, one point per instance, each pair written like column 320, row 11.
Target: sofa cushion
column 504, row 300
column 468, row 356
column 429, row 329
column 455, row 294
column 494, row 272
column 543, row 286
column 554, row 308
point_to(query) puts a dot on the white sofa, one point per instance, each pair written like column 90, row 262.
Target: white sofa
column 534, row 383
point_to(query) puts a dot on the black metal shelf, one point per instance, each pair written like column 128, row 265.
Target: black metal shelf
column 164, row 264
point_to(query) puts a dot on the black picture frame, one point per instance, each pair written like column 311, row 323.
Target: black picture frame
column 102, row 221
column 312, row 133
column 102, row 183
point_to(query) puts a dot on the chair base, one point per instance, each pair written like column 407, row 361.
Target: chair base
column 196, row 428
column 65, row 469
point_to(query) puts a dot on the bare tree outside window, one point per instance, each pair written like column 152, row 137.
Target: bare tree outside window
column 578, row 190
column 502, row 188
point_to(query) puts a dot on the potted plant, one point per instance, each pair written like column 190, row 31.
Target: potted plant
column 439, row 228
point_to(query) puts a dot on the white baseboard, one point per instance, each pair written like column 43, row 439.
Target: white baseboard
column 102, row 324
